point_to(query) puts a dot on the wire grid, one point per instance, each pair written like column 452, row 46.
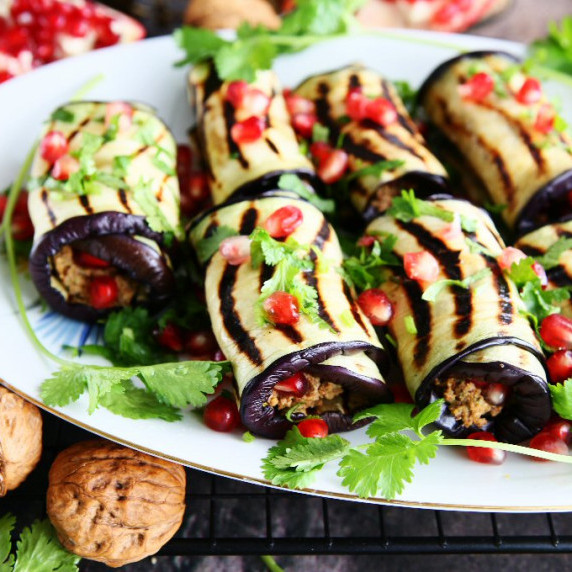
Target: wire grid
column 229, row 517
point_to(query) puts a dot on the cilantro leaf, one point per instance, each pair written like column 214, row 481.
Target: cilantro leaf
column 410, row 326
column 199, row 44
column 407, row 207
column 145, row 197
column 39, row 549
column 551, row 257
column 63, row 115
column 562, row 398
column 391, row 418
column 291, row 182
column 206, row 247
column 433, row 291
column 555, row 51
column 407, row 94
column 63, row 387
column 375, row 169
column 7, row 523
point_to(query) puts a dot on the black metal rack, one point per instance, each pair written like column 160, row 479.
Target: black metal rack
column 229, row 517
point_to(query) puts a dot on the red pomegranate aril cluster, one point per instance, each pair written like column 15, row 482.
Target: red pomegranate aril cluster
column 556, row 332
column 248, row 131
column 296, row 385
column 64, row 167
column 560, row 366
column 53, row 146
column 103, row 292
column 313, row 428
column 477, row 88
column 221, row 414
column 283, row 221
column 250, row 108
column 302, row 114
column 375, row 304
column 282, row 308
column 379, row 110
column 485, row 455
column 200, row 344
column 171, row 337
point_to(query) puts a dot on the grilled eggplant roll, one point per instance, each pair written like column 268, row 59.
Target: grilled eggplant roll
column 249, row 162
column 505, row 128
column 559, row 271
column 457, row 337
column 103, row 194
column 369, row 142
column 337, row 352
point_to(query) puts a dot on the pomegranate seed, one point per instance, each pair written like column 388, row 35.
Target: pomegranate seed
column 530, row 91
column 496, row 393
column 510, row 256
column 219, row 356
column 121, row 109
column 106, row 36
column 375, row 304
column 235, row 249
column 400, row 393
column 235, row 92
column 64, row 167
column 320, row 150
column 199, row 187
column 485, row 454
column 367, row 241
column 298, row 104
column 296, row 385
column 303, row 124
column 282, row 308
column 87, row 260
column 560, row 366
column 254, row 102
column 548, row 442
column 538, row 269
column 451, row 231
column 53, row 146
column 544, row 122
column 333, row 167
column 356, row 104
column 477, row 88
column 221, row 414
column 201, row 343
column 283, row 221
column 313, row 428
column 556, row 331
column 171, row 337
column 248, row 131
column 103, row 292
column 22, row 227
column 560, row 428
column 3, row 205
column 381, row 111
column 421, row 265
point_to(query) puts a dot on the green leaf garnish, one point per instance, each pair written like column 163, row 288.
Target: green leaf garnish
column 408, row 207
column 145, row 197
column 206, row 247
column 375, row 169
column 562, row 398
column 550, row 259
column 291, row 182
column 433, row 291
column 63, row 115
column 7, row 523
column 410, row 326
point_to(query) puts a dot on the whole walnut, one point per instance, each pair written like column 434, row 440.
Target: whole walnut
column 113, row 504
column 20, row 439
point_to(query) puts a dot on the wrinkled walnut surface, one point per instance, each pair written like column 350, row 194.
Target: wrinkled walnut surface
column 20, row 439
column 113, row 504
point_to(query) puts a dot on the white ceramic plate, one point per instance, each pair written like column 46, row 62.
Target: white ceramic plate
column 145, row 72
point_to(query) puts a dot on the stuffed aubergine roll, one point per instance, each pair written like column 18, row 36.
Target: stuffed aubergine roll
column 461, row 335
column 507, row 131
column 244, row 133
column 103, row 198
column 328, row 362
column 373, row 136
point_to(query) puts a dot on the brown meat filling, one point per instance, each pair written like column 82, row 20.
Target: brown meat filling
column 76, row 279
column 321, row 396
column 466, row 402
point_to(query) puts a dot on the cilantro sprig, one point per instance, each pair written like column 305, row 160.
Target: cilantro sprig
column 291, row 182
column 551, row 258
column 383, row 466
column 433, row 291
column 255, row 48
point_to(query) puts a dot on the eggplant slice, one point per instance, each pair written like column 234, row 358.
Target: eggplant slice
column 341, row 362
column 465, row 337
column 368, row 143
column 523, row 163
column 240, row 167
column 111, row 218
column 537, row 244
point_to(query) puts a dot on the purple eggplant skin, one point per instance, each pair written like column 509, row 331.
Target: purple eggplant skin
column 263, row 420
column 110, row 236
column 550, row 204
column 425, row 185
column 527, row 410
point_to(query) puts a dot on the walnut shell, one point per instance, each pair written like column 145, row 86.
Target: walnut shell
column 20, row 439
column 112, row 504
column 217, row 14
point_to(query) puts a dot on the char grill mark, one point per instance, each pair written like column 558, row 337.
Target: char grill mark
column 233, row 148
column 79, row 127
column 46, row 201
column 505, row 303
column 391, row 138
column 289, row 332
column 248, row 221
column 449, row 260
column 559, row 276
column 122, row 196
column 405, row 122
column 231, row 318
column 84, row 202
column 422, row 315
column 270, row 144
column 356, row 315
column 323, row 235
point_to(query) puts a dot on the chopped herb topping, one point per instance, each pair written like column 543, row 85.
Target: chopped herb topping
column 410, row 326
column 206, row 247
column 291, row 182
column 551, row 258
column 433, row 291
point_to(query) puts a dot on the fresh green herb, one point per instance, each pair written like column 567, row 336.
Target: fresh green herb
column 206, row 247
column 495, row 209
column 407, row 94
column 291, row 182
column 145, row 197
column 390, row 340
column 248, row 437
column 555, row 51
column 177, row 384
column 433, row 291
column 320, row 133
column 367, row 269
column 347, row 318
column 410, row 326
column 408, row 207
column 256, row 48
column 63, row 115
column 562, row 398
column 375, row 170
column 477, row 248
column 38, row 549
column 551, row 258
